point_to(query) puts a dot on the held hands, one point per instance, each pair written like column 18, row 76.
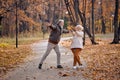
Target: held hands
column 71, row 29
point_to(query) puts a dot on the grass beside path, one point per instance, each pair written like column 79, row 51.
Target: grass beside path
column 21, row 41
column 10, row 56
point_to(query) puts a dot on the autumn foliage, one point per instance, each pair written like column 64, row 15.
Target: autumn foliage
column 32, row 13
column 10, row 56
column 102, row 60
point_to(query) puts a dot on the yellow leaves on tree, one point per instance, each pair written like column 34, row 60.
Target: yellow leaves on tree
column 23, row 17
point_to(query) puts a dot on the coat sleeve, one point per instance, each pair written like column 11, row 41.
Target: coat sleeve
column 80, row 34
column 65, row 31
column 53, row 27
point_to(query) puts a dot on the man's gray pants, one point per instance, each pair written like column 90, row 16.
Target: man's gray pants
column 49, row 48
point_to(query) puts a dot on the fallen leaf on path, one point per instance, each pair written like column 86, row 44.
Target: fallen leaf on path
column 63, row 74
column 103, row 60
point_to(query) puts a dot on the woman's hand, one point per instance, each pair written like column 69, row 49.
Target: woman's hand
column 70, row 28
column 73, row 29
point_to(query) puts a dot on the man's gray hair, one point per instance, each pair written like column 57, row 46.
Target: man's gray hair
column 60, row 20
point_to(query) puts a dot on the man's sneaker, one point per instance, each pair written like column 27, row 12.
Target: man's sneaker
column 40, row 66
column 74, row 67
column 59, row 66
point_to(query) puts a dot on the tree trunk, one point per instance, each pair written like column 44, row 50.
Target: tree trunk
column 83, row 20
column 103, row 30
column 76, row 4
column 116, row 35
column 93, row 32
column 16, row 24
column 49, row 13
column 1, row 26
column 119, row 31
column 69, row 11
column 82, row 17
column 89, row 27
column 54, row 15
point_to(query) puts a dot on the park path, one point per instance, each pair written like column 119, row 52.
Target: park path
column 29, row 70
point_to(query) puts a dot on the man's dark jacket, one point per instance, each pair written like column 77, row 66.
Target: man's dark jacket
column 55, row 34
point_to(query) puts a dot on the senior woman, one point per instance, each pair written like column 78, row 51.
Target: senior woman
column 77, row 44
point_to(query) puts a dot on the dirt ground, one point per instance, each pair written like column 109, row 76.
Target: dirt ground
column 103, row 60
column 100, row 62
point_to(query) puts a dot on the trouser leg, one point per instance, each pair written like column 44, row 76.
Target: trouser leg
column 56, row 48
column 49, row 48
column 78, row 56
column 75, row 61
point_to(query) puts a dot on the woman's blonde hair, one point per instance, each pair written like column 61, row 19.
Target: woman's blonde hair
column 79, row 27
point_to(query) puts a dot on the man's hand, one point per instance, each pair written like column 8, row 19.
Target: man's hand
column 48, row 24
column 70, row 28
